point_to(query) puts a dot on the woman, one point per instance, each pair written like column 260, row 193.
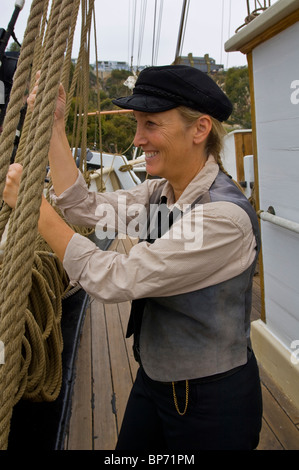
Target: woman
column 190, row 276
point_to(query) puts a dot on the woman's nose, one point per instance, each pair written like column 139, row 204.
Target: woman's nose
column 140, row 138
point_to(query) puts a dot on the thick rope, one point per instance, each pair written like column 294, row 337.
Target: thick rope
column 40, row 374
column 25, row 159
column 16, row 284
column 41, row 367
column 16, row 99
column 36, row 64
column 80, row 82
column 84, row 32
column 68, row 56
column 18, row 89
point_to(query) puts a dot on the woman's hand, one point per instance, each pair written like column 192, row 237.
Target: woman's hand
column 63, row 167
column 61, row 100
column 13, row 178
column 51, row 226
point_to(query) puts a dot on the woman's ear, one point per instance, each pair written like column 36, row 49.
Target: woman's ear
column 203, row 126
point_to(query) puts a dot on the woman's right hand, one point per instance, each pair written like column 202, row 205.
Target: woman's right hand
column 61, row 100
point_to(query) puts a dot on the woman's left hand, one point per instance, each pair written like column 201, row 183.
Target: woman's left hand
column 13, row 178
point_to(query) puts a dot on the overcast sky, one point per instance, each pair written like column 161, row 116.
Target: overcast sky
column 210, row 23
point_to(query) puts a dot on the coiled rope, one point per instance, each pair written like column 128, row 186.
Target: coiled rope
column 30, row 323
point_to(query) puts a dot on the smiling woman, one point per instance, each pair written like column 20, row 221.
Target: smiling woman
column 197, row 386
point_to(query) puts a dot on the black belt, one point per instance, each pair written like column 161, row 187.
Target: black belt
column 211, row 378
column 207, row 379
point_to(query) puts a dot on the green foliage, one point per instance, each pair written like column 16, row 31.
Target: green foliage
column 118, row 133
column 14, row 47
column 238, row 91
column 114, row 86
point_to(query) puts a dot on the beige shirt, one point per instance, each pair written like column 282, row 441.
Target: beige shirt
column 215, row 243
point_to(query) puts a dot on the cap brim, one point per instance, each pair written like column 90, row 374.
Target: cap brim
column 145, row 103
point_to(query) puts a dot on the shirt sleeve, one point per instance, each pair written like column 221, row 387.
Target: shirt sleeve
column 214, row 243
column 92, row 209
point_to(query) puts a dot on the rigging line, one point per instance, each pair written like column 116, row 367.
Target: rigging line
column 185, row 25
column 133, row 32
column 140, row 33
column 141, row 30
column 182, row 28
column 129, row 30
column 159, row 32
column 248, row 7
column 229, row 22
column 154, row 32
column 98, row 126
column 221, row 39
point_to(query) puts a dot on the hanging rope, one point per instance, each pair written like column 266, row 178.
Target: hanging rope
column 156, row 34
column 18, row 89
column 133, row 33
column 98, row 101
column 32, row 279
column 16, row 98
column 68, row 56
column 17, row 273
column 141, row 31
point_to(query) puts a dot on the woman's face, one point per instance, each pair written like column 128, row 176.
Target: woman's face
column 168, row 144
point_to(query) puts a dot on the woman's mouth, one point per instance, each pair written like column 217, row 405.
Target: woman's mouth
column 150, row 155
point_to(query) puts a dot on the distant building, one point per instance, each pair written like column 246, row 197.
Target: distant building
column 105, row 67
column 109, row 65
column 205, row 64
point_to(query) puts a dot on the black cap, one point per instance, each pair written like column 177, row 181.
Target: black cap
column 166, row 87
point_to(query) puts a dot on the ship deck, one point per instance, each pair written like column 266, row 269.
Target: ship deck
column 106, row 370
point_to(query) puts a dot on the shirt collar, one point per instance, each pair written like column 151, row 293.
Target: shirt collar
column 200, row 184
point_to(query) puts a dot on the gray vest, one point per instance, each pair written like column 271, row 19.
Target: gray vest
column 204, row 332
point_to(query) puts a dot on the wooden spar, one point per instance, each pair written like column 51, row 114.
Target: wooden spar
column 114, row 111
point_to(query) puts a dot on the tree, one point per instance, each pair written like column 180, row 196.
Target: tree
column 237, row 89
column 114, row 85
column 118, row 133
column 14, row 47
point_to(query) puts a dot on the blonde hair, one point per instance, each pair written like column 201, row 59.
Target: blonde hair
column 214, row 142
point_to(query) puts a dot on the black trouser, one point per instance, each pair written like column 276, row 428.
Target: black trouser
column 222, row 414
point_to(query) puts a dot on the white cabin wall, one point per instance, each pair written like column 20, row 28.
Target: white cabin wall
column 275, row 68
